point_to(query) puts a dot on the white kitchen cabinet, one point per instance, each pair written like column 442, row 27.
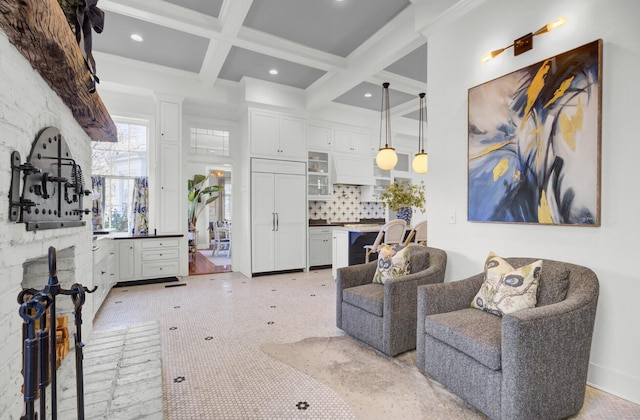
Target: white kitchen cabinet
column 126, row 259
column 318, row 180
column 347, row 141
column 169, row 188
column 278, row 215
column 273, row 134
column 382, row 179
column 104, row 265
column 319, row 137
column 148, row 258
column 170, row 121
column 169, row 220
column 320, row 245
column 340, row 250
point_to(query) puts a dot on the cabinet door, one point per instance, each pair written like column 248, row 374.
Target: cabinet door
column 316, row 249
column 291, row 221
column 126, row 260
column 262, row 222
column 169, row 121
column 170, row 197
column 352, row 142
column 340, row 250
column 293, row 138
column 265, row 133
column 319, row 137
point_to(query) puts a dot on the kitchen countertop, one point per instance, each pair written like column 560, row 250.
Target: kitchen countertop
column 362, row 222
column 126, row 235
column 360, row 227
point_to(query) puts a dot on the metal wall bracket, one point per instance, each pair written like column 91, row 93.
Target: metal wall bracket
column 53, row 185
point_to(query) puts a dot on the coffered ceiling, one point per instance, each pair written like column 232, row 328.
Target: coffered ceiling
column 332, row 51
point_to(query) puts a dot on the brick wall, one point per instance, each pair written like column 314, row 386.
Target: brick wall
column 28, row 105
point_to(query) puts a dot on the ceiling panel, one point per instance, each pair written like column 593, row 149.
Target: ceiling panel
column 208, row 7
column 241, row 62
column 161, row 45
column 412, row 65
column 336, row 27
column 355, row 97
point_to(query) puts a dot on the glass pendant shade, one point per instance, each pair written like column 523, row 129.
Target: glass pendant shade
column 420, row 163
column 386, row 158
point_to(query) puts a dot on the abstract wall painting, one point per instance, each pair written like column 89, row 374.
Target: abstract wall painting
column 534, row 142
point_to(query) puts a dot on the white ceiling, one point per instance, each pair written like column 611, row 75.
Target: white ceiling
column 333, row 51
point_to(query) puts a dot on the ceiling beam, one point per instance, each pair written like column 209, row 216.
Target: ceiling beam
column 392, row 42
column 232, row 15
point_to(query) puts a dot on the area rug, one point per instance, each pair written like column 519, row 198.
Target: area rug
column 375, row 386
column 379, row 387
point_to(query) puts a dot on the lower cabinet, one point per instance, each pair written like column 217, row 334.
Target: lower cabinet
column 148, row 258
column 104, row 276
column 340, row 250
column 320, row 241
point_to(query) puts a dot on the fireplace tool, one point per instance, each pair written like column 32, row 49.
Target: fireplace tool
column 39, row 360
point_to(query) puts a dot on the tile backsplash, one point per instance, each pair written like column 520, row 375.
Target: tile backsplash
column 345, row 206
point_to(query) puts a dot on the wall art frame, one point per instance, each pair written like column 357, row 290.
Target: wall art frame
column 534, row 142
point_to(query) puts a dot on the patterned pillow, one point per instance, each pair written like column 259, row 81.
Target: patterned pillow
column 506, row 290
column 393, row 262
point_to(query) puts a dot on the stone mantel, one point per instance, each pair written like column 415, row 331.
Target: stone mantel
column 39, row 30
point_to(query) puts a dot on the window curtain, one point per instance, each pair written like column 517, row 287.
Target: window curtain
column 140, row 221
column 97, row 197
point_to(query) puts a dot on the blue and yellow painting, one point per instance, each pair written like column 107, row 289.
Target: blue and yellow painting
column 534, row 142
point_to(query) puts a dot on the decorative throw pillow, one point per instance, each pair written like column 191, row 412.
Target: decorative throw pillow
column 506, row 290
column 393, row 262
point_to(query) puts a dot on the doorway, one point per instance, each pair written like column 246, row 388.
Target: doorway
column 214, row 249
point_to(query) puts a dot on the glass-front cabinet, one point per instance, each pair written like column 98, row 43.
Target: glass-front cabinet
column 382, row 179
column 318, row 179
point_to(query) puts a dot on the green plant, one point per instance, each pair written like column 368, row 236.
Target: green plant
column 401, row 194
column 200, row 196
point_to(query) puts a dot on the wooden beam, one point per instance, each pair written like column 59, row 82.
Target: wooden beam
column 39, row 30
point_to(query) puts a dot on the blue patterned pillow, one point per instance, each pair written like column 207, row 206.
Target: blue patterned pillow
column 506, row 290
column 393, row 262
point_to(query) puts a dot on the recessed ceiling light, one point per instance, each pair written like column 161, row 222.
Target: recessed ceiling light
column 367, row 95
column 136, row 37
column 273, row 72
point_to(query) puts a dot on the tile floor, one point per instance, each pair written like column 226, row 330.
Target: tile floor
column 211, row 330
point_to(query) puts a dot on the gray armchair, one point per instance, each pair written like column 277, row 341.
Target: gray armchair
column 528, row 364
column 384, row 315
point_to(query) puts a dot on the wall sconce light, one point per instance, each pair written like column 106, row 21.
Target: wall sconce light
column 217, row 173
column 421, row 160
column 387, row 157
column 524, row 43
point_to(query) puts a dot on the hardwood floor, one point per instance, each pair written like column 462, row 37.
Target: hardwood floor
column 200, row 264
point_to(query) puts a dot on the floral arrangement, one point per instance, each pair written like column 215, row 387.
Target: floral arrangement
column 402, row 194
column 199, row 197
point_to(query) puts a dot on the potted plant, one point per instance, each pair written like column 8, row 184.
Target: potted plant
column 200, row 196
column 402, row 197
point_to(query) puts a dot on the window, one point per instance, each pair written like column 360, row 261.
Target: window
column 115, row 167
column 210, row 141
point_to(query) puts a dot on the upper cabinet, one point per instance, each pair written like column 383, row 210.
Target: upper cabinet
column 318, row 178
column 169, row 121
column 272, row 134
column 348, row 141
column 319, row 137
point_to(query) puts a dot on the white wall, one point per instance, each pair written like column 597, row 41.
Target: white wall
column 28, row 105
column 611, row 250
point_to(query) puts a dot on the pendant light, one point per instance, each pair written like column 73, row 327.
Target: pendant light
column 387, row 157
column 421, row 160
